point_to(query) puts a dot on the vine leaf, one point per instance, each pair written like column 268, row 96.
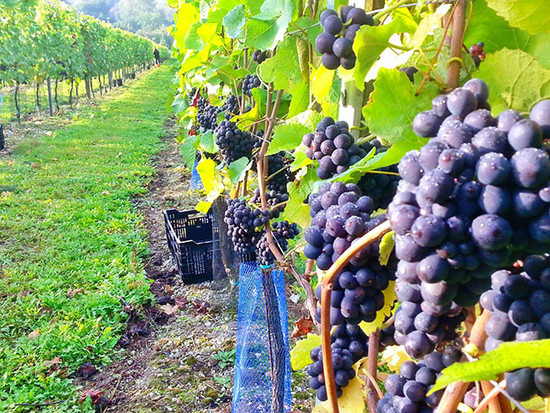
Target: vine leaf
column 287, row 58
column 268, row 28
column 526, row 81
column 394, row 356
column 389, row 299
column 427, row 25
column 296, row 210
column 392, row 108
column 351, row 400
column 485, row 25
column 234, row 21
column 371, row 41
column 208, row 142
column 289, row 135
column 238, row 168
column 386, row 247
column 506, row 357
column 186, row 16
column 299, row 355
column 532, row 16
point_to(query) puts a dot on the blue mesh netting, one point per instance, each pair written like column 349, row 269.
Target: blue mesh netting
column 253, row 386
column 196, row 182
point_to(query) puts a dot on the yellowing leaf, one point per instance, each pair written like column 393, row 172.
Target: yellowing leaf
column 186, row 16
column 299, row 356
column 351, row 400
column 394, row 357
column 386, row 247
column 321, row 82
column 389, row 299
column 427, row 24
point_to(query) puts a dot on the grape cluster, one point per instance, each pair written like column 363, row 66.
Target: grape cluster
column 336, row 40
column 233, row 142
column 406, row 392
column 250, row 82
column 477, row 53
column 469, row 199
column 207, row 115
column 520, row 310
column 282, row 231
column 259, row 56
column 243, row 222
column 231, row 107
column 381, row 184
column 333, row 146
column 276, row 190
column 340, row 216
column 349, row 345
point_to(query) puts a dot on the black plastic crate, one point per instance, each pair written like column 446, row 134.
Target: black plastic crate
column 192, row 242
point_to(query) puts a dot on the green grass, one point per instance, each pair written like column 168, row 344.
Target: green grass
column 67, row 222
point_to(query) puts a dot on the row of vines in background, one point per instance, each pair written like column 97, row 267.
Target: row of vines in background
column 46, row 41
column 343, row 137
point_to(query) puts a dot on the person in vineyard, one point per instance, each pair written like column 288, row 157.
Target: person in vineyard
column 157, row 56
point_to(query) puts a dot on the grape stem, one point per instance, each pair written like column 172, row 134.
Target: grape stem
column 328, row 284
column 455, row 392
column 262, row 167
column 372, row 368
column 432, row 65
column 459, row 24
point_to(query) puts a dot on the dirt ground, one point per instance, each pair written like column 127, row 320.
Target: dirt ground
column 179, row 357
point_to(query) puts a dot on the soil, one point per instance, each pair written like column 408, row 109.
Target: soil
column 179, row 355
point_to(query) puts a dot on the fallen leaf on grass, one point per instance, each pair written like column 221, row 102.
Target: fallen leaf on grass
column 303, row 326
column 34, row 335
column 35, row 165
column 181, row 302
column 94, row 394
column 140, row 328
column 169, row 309
column 53, row 362
column 72, row 292
column 201, row 306
column 86, row 370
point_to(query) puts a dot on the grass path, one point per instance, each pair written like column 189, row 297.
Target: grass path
column 72, row 243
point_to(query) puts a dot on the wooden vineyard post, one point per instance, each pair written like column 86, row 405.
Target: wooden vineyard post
column 275, row 340
column 50, row 100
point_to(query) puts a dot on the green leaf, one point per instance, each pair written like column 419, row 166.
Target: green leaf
column 188, row 151
column 287, row 58
column 386, row 247
column 299, row 355
column 486, row 26
column 296, row 210
column 300, row 159
column 371, row 41
column 238, row 168
column 506, row 357
column 393, row 106
column 193, row 40
column 532, row 16
column 525, row 83
column 208, row 142
column 268, row 28
column 289, row 135
column 300, row 98
column 234, row 21
column 179, row 104
column 427, row 25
